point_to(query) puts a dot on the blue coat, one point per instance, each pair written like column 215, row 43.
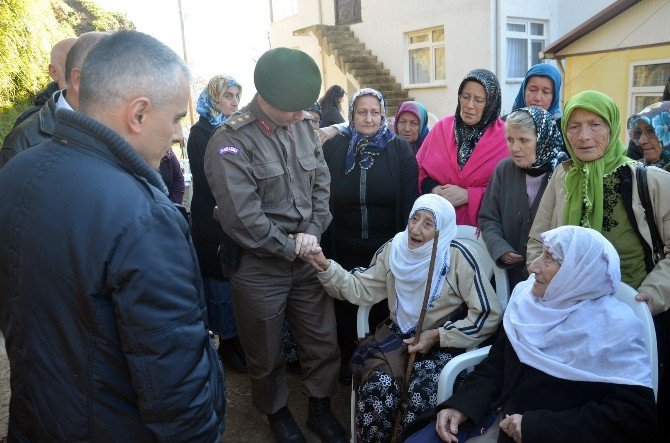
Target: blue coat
column 101, row 300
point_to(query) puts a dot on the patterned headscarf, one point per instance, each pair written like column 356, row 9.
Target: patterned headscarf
column 657, row 115
column 366, row 148
column 208, row 101
column 419, row 111
column 542, row 70
column 584, row 181
column 467, row 136
column 549, row 149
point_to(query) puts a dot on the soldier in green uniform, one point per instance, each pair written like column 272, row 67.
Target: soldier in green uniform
column 271, row 183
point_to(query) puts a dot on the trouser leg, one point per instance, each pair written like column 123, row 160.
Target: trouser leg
column 260, row 288
column 312, row 321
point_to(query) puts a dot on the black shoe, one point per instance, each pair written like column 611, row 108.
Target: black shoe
column 231, row 355
column 345, row 375
column 322, row 421
column 284, row 428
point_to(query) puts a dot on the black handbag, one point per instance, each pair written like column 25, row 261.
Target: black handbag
column 643, row 191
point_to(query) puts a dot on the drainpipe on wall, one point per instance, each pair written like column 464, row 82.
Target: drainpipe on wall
column 497, row 38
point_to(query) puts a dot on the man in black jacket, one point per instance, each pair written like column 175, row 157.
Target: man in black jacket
column 39, row 126
column 101, row 299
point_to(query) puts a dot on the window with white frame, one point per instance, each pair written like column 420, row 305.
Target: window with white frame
column 525, row 39
column 283, row 8
column 648, row 80
column 426, row 57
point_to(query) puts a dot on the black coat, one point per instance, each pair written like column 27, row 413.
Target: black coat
column 404, row 174
column 554, row 409
column 207, row 232
column 331, row 115
column 101, row 300
column 35, row 129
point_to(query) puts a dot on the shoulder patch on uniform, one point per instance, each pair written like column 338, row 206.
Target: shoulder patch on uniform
column 228, row 150
column 239, row 119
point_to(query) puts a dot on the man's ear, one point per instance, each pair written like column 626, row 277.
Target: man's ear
column 53, row 72
column 136, row 114
column 75, row 79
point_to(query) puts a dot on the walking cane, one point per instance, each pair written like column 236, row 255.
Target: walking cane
column 417, row 336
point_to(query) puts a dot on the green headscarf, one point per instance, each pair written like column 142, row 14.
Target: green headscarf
column 584, row 180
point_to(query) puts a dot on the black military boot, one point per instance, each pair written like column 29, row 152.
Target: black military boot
column 231, row 355
column 322, row 421
column 284, row 428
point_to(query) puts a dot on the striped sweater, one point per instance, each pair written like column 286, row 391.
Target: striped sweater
column 465, row 283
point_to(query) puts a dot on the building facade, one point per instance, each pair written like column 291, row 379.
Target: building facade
column 421, row 49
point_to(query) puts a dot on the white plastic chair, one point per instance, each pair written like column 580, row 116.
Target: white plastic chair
column 468, row 235
column 626, row 294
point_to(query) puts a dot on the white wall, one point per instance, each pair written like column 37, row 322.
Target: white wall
column 466, row 27
column 470, row 37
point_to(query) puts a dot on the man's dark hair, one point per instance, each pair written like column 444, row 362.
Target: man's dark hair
column 127, row 64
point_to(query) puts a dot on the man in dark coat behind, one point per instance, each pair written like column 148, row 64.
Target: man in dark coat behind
column 101, row 300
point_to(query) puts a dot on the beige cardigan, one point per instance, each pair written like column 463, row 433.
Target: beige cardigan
column 465, row 283
column 550, row 215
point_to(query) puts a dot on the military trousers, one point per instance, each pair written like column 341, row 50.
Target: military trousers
column 266, row 291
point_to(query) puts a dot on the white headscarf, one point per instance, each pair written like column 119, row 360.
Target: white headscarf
column 410, row 266
column 578, row 330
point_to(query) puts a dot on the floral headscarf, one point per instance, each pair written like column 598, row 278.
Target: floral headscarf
column 549, row 149
column 584, row 181
column 419, row 111
column 208, row 101
column 366, row 148
column 467, row 136
column 657, row 115
column 542, row 70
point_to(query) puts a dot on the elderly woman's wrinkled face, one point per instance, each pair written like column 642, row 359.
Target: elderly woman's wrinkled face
column 421, row 228
column 588, row 135
column 473, row 102
column 539, row 92
column 229, row 101
column 645, row 138
column 367, row 115
column 545, row 268
column 522, row 144
column 408, row 126
column 316, row 120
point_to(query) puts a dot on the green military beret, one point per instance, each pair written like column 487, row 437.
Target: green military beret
column 288, row 79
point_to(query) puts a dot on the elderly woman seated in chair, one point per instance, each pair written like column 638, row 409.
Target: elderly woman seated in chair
column 571, row 364
column 462, row 311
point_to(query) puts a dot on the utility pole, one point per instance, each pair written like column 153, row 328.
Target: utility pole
column 183, row 43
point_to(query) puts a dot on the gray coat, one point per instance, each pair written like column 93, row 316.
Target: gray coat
column 505, row 218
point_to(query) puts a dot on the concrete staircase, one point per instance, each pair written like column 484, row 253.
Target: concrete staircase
column 352, row 57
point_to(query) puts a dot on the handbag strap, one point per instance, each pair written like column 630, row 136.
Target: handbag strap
column 645, row 199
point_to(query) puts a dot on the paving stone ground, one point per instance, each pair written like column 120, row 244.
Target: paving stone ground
column 243, row 422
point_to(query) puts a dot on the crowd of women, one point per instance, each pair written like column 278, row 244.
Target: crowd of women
column 554, row 193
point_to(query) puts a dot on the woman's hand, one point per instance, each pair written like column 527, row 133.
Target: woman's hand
column 327, row 133
column 511, row 426
column 427, row 340
column 511, row 258
column 447, row 424
column 317, row 260
column 456, row 195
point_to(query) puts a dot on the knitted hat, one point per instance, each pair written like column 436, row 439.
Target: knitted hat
column 288, row 79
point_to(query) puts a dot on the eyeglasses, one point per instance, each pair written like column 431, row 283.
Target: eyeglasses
column 649, row 132
column 466, row 99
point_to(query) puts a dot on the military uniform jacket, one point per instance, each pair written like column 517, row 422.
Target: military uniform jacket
column 269, row 181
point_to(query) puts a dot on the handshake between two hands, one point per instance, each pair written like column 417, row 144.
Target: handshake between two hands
column 308, row 249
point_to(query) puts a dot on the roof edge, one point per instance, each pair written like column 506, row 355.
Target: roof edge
column 589, row 25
